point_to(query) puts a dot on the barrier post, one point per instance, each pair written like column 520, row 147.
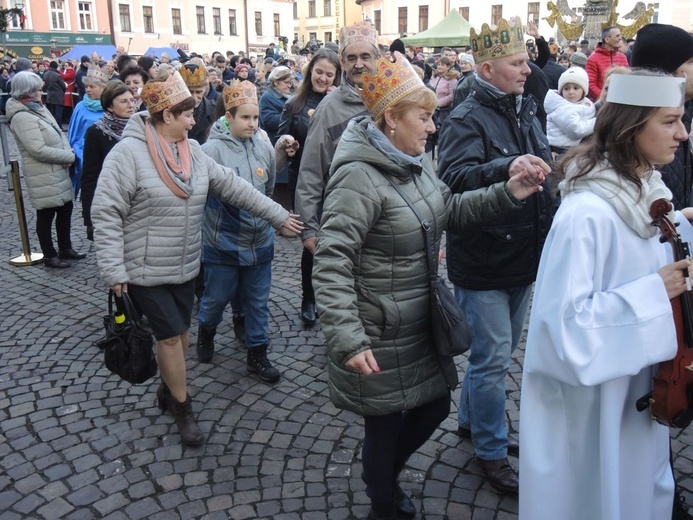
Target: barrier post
column 27, row 258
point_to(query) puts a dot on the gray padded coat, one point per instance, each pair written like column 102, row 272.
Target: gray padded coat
column 46, row 155
column 371, row 277
column 146, row 235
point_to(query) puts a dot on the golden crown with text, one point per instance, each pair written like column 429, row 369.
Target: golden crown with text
column 359, row 32
column 160, row 95
column 194, row 75
column 499, row 42
column 239, row 93
column 391, row 83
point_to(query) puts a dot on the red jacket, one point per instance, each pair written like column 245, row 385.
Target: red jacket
column 598, row 63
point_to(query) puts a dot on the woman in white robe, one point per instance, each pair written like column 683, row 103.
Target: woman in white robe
column 601, row 321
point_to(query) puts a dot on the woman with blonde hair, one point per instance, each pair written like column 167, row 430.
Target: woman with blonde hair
column 371, row 278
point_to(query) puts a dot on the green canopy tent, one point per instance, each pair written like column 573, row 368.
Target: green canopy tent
column 451, row 31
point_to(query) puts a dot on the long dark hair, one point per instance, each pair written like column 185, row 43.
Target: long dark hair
column 613, row 142
column 296, row 103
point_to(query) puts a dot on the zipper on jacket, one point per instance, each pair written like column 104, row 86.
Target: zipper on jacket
column 252, row 182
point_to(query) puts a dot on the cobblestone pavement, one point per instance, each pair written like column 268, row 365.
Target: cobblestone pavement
column 78, row 443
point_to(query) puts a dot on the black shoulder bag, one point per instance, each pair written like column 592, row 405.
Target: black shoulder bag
column 127, row 345
column 451, row 332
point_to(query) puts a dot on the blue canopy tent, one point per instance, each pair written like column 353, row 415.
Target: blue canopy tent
column 104, row 51
column 157, row 51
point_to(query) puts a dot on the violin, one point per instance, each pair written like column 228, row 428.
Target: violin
column 671, row 399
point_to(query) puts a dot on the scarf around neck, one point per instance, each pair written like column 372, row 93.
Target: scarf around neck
column 111, row 125
column 31, row 104
column 94, row 105
column 179, row 178
column 624, row 197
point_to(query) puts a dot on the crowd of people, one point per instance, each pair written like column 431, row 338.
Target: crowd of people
column 548, row 159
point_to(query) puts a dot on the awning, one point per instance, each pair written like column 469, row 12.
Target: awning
column 451, row 31
column 104, row 51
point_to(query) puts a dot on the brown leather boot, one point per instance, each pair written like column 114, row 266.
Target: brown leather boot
column 190, row 432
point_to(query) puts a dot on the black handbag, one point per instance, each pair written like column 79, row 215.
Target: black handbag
column 451, row 332
column 127, row 345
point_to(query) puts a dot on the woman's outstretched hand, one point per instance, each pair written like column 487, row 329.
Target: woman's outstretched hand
column 526, row 183
column 292, row 225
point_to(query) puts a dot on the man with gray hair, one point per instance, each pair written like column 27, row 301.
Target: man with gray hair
column 358, row 54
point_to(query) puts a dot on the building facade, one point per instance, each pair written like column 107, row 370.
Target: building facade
column 202, row 26
column 321, row 20
column 49, row 27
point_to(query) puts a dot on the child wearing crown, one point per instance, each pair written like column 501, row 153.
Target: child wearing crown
column 238, row 247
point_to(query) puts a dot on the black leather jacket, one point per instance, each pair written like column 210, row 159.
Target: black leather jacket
column 478, row 143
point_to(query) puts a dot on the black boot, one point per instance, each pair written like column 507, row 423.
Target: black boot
column 71, row 254
column 56, row 262
column 205, row 344
column 164, row 397
column 382, row 511
column 308, row 313
column 258, row 362
column 239, row 327
column 190, row 432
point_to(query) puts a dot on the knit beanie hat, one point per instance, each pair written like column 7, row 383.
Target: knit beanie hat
column 578, row 58
column 575, row 75
column 660, row 46
column 464, row 57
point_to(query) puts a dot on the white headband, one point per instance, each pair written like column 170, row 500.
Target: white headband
column 647, row 91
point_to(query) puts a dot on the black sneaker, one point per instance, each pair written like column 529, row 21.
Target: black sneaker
column 205, row 344
column 258, row 363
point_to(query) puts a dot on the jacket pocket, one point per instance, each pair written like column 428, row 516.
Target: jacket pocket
column 505, row 242
column 378, row 313
column 504, row 148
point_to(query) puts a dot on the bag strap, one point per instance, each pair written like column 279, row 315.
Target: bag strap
column 425, row 227
column 124, row 305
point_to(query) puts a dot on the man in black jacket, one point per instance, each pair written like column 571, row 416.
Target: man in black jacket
column 493, row 135
column 81, row 74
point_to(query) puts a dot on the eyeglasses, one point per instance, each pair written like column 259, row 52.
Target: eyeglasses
column 130, row 101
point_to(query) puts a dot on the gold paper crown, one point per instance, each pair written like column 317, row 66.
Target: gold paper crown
column 359, row 32
column 160, row 95
column 496, row 43
column 239, row 93
column 391, row 83
column 194, row 75
column 97, row 74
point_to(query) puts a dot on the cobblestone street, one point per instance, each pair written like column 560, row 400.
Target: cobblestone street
column 78, row 443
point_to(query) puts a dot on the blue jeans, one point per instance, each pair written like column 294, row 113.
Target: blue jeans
column 247, row 288
column 496, row 319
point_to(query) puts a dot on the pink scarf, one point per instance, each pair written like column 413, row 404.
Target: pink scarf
column 173, row 174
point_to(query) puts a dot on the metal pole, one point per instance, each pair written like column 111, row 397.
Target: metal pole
column 27, row 258
column 5, row 149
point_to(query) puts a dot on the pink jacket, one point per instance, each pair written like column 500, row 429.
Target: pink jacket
column 445, row 88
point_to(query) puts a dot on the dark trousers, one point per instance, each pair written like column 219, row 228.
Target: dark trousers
column 57, row 111
column 307, row 276
column 44, row 225
column 389, row 442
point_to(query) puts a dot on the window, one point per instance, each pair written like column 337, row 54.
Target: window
column 328, row 37
column 496, row 14
column 464, row 11
column 175, row 19
column 328, row 8
column 124, row 11
column 376, row 20
column 402, row 18
column 295, row 11
column 84, row 15
column 311, row 8
column 423, row 17
column 15, row 20
column 533, row 11
column 57, row 14
column 655, row 16
column 232, row 22
column 277, row 30
column 258, row 23
column 201, row 27
column 148, row 18
column 312, row 37
column 216, row 16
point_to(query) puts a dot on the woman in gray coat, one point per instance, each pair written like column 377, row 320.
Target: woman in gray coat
column 371, row 277
column 46, row 158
